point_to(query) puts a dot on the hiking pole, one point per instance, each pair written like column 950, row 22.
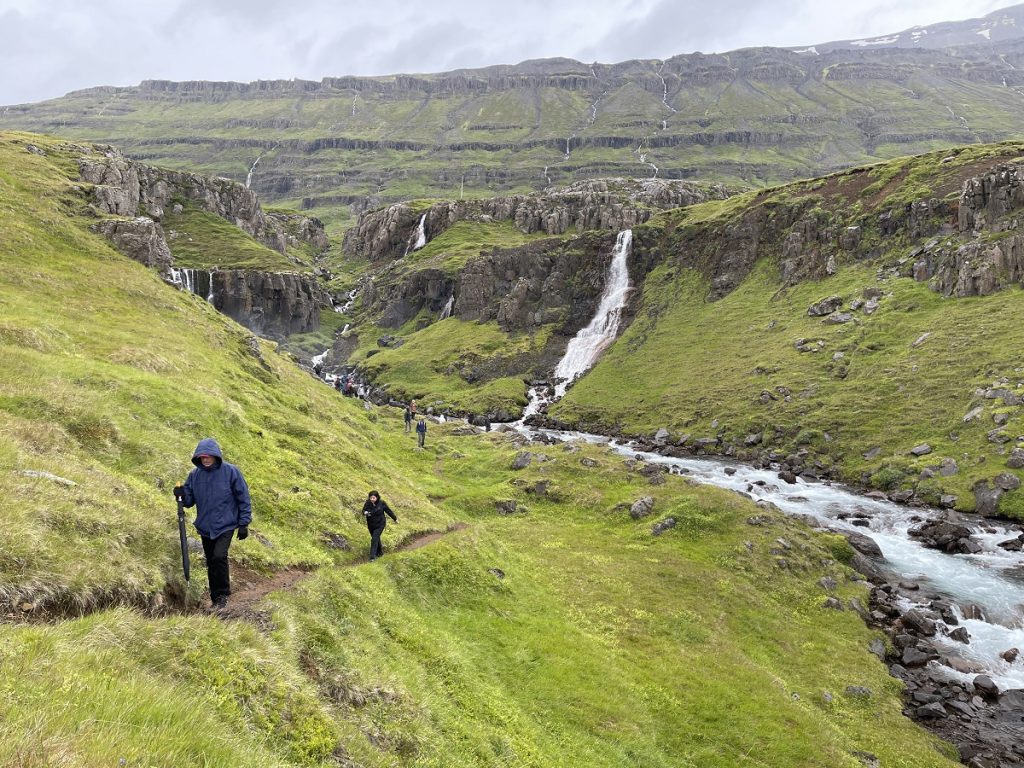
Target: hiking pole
column 184, row 540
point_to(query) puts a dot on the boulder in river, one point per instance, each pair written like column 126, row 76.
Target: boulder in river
column 863, row 544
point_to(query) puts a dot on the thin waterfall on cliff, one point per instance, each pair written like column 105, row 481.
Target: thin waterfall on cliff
column 447, row 311
column 190, row 280
column 248, row 179
column 184, row 279
column 421, row 236
column 591, row 341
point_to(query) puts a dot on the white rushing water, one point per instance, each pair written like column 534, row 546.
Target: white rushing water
column 248, row 178
column 183, row 278
column 447, row 311
column 347, row 306
column 419, row 237
column 992, row 580
column 590, row 342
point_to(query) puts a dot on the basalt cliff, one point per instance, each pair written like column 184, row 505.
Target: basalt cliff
column 135, row 199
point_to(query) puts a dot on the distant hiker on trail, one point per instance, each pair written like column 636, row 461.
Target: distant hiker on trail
column 408, row 418
column 374, row 510
column 337, row 383
column 421, row 431
column 221, row 498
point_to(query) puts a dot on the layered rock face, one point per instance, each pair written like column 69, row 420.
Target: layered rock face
column 269, row 303
column 563, row 120
column 548, row 281
column 537, row 284
column 607, row 204
column 988, row 253
column 124, row 187
column 970, row 246
column 397, row 302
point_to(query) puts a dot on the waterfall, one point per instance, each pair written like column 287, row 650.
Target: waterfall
column 447, row 311
column 344, row 308
column 248, row 179
column 184, row 278
column 318, row 360
column 197, row 281
column 421, row 236
column 590, row 342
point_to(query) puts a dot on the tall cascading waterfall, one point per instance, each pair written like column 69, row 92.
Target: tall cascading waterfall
column 420, row 235
column 590, row 342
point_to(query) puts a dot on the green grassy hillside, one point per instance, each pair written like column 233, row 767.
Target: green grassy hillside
column 880, row 385
column 563, row 634
column 707, row 361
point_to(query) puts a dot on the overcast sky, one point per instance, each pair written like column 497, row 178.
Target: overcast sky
column 50, row 47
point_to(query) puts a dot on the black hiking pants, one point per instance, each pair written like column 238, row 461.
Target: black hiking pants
column 216, row 551
column 376, row 550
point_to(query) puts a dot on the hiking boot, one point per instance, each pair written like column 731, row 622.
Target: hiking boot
column 220, row 603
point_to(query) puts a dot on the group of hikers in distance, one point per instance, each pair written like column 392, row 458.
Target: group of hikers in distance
column 421, row 425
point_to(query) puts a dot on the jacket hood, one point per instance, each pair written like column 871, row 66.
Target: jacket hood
column 207, row 447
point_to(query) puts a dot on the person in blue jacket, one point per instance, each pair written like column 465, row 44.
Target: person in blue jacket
column 221, row 498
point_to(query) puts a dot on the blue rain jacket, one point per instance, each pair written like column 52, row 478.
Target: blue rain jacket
column 219, row 494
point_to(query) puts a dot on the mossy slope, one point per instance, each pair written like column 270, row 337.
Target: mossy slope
column 563, row 633
column 731, row 367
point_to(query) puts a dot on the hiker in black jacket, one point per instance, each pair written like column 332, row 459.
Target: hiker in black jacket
column 374, row 510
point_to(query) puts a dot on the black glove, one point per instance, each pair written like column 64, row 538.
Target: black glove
column 243, row 532
column 179, row 492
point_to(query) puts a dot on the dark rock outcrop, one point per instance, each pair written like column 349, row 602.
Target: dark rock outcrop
column 124, row 187
column 272, row 304
column 607, row 204
column 139, row 238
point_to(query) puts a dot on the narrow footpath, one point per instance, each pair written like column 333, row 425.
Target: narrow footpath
column 249, row 588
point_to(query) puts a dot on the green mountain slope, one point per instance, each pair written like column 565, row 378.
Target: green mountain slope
column 755, row 371
column 920, row 257
column 750, row 118
column 561, row 634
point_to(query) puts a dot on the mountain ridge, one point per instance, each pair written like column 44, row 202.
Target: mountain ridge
column 748, row 118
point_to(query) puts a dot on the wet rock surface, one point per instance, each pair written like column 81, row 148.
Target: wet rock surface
column 985, row 724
